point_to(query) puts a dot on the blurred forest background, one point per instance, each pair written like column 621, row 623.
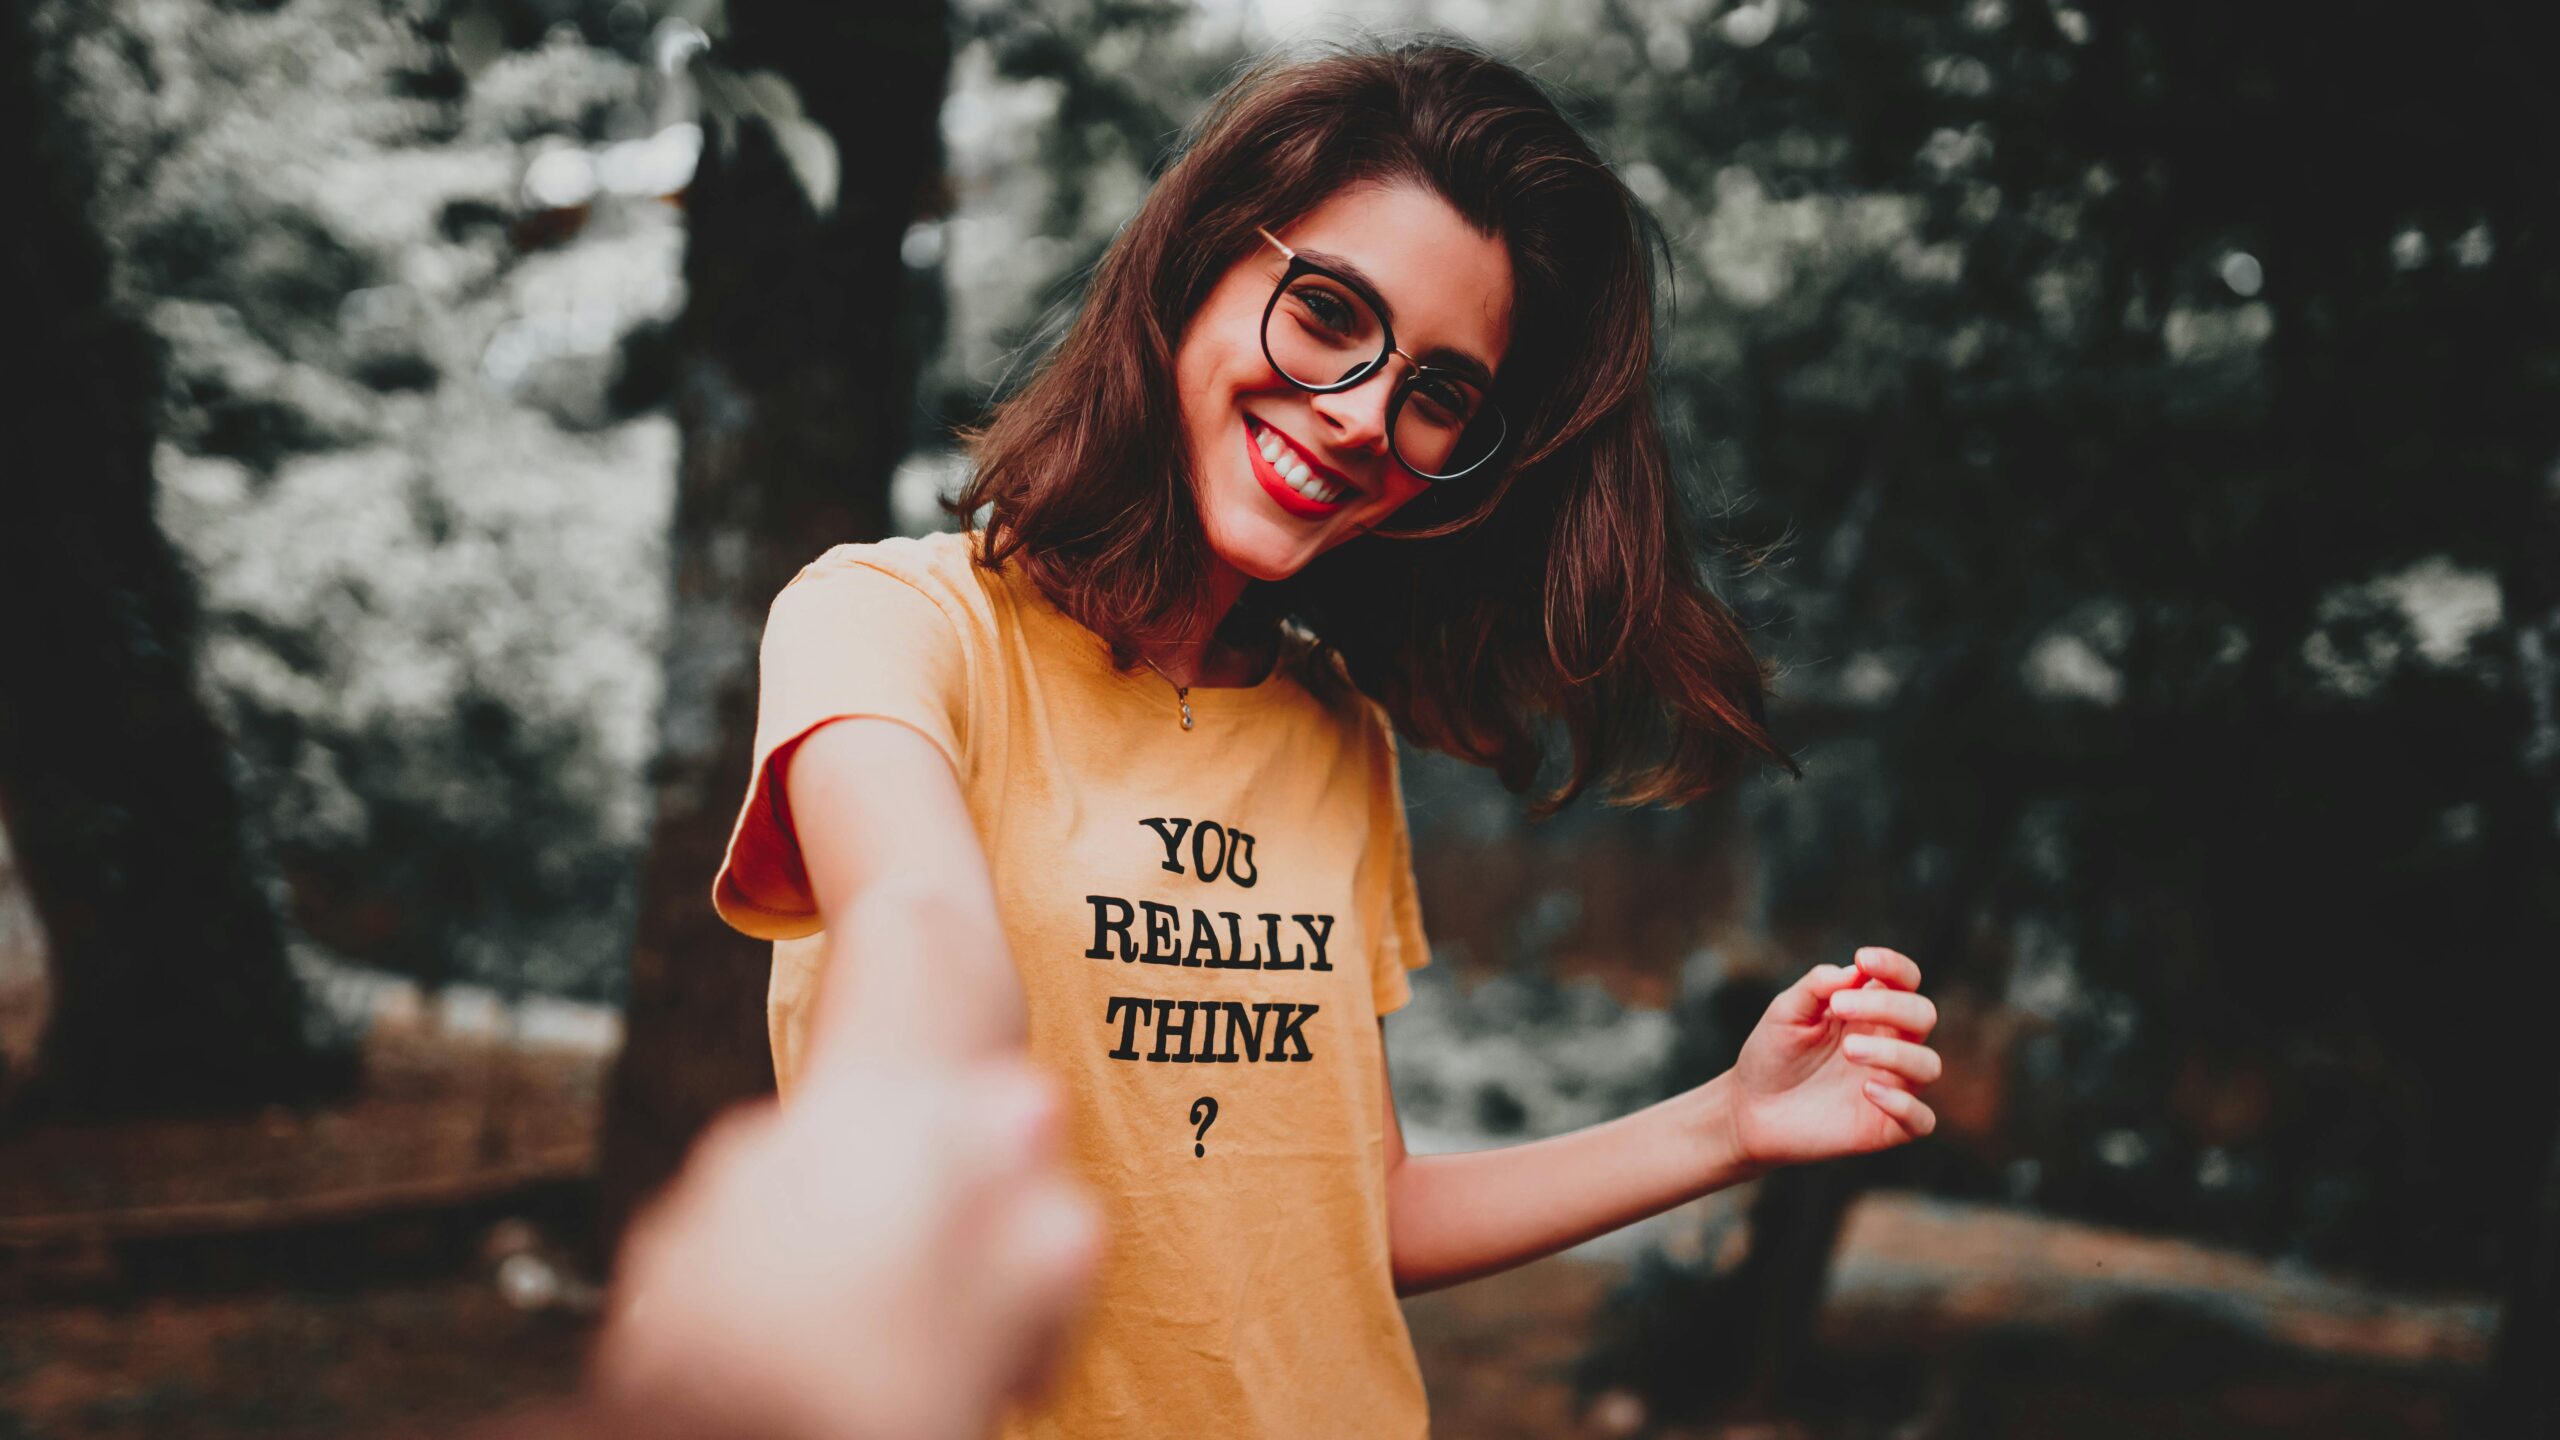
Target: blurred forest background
column 2133, row 428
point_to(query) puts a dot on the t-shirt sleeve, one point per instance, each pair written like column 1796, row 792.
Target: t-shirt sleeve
column 844, row 639
column 1401, row 944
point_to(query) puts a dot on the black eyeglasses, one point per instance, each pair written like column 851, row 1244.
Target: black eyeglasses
column 1326, row 333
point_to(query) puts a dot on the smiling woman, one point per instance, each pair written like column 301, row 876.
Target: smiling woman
column 1352, row 436
column 1170, row 455
column 1301, row 411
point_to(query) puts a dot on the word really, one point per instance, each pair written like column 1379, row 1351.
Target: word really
column 1206, row 1032
column 1115, row 937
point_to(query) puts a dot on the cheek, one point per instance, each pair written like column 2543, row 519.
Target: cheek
column 1402, row 487
column 1192, row 382
column 1219, row 358
column 1208, row 381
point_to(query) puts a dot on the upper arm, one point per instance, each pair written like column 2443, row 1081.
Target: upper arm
column 917, row 959
column 856, row 824
column 845, row 640
column 873, row 803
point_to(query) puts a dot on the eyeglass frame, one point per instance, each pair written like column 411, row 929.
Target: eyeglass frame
column 1300, row 265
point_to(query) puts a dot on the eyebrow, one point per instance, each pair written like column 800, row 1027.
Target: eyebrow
column 1440, row 356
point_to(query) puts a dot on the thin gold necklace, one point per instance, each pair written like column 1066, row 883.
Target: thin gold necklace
column 1181, row 693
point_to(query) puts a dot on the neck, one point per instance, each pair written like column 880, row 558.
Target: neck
column 1193, row 656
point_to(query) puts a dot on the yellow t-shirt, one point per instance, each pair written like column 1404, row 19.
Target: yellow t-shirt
column 1215, row 914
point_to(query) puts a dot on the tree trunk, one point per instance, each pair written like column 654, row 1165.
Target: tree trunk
column 794, row 389
column 170, row 987
column 2524, row 1398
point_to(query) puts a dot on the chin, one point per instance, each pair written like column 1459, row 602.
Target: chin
column 1257, row 553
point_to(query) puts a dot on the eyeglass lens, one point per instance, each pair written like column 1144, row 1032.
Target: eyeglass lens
column 1322, row 333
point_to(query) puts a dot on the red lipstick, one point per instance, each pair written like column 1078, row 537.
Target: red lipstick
column 1285, row 495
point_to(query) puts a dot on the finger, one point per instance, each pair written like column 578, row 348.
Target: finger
column 1905, row 1107
column 1890, row 966
column 1904, row 1010
column 1916, row 1063
column 1805, row 1002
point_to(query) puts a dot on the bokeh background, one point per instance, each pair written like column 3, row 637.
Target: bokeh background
column 2134, row 430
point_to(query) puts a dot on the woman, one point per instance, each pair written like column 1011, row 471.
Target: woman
column 1351, row 437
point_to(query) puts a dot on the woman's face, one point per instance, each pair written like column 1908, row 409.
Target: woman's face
column 1447, row 288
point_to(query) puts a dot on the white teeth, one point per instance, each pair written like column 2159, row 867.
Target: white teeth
column 1293, row 470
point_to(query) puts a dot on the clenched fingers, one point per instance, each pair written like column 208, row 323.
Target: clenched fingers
column 1904, row 1010
column 1916, row 1063
column 1904, row 1107
column 1890, row 966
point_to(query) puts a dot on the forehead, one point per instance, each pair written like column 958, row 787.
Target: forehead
column 1448, row 283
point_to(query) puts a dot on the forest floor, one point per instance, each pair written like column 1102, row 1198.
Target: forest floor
column 397, row 1265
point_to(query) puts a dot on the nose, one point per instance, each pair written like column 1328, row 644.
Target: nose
column 1357, row 417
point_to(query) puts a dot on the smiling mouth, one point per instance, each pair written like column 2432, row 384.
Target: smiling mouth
column 1286, row 471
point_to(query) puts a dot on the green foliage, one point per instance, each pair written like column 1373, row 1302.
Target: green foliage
column 1059, row 118
column 430, row 543
column 2160, row 546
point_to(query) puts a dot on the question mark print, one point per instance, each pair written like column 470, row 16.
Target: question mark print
column 1204, row 1113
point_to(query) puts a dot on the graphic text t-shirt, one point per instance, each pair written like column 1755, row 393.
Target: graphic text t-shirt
column 1207, row 924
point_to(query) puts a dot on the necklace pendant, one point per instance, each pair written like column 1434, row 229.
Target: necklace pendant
column 1184, row 695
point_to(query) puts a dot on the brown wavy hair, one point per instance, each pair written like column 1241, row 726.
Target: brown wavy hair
column 1560, row 591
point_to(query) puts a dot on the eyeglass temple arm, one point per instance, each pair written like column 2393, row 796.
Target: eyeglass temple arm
column 1292, row 254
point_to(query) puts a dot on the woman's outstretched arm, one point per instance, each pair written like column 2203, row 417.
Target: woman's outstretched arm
column 897, row 1250
column 1829, row 1071
column 916, row 964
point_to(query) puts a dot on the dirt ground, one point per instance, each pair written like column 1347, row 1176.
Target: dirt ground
column 400, row 1265
column 1973, row 1323
column 421, row 1355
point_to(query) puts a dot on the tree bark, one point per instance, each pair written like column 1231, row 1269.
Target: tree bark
column 2524, row 1398
column 795, row 384
column 170, row 986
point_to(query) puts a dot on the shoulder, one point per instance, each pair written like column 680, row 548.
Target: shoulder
column 1320, row 670
column 940, row 568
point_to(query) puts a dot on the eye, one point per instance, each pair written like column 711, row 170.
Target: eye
column 1326, row 311
column 1444, row 402
column 1322, row 308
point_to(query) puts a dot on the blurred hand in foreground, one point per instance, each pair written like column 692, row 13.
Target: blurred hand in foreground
column 1832, row 1066
column 891, row 1256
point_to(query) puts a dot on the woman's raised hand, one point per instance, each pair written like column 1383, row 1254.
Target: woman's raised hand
column 1831, row 1068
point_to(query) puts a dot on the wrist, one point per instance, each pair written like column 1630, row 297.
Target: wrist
column 1724, row 1154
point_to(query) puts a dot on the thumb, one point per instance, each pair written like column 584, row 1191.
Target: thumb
column 1808, row 1001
